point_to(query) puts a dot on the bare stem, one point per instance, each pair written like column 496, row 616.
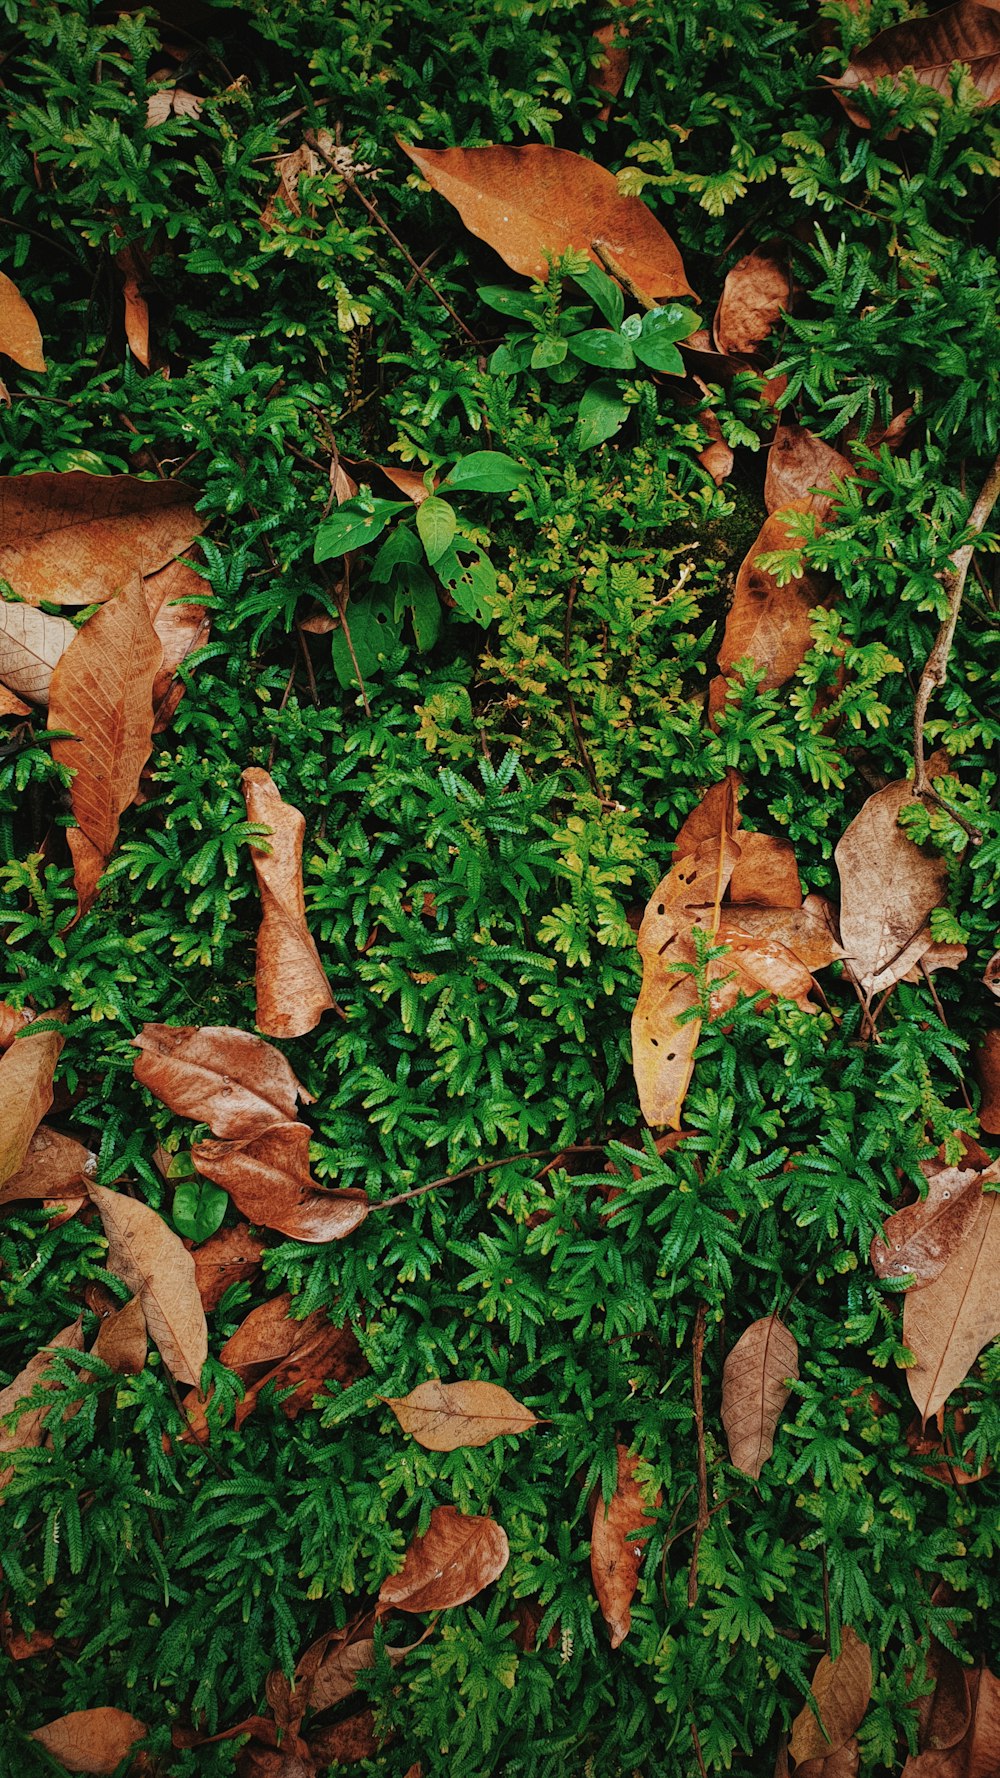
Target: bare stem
column 698, row 1356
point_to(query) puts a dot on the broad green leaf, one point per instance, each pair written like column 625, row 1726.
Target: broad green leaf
column 353, row 525
column 486, row 472
column 655, row 346
column 509, row 302
column 604, row 292
column 601, row 414
column 436, row 525
column 598, row 345
column 548, row 351
column 198, row 1208
column 470, row 578
column 660, row 355
column 424, row 603
column 374, row 631
column 401, row 549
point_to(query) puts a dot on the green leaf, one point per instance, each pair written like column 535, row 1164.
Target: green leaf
column 598, row 345
column 654, row 345
column 436, row 524
column 509, row 302
column 604, row 292
column 198, row 1208
column 486, row 472
column 470, row 577
column 660, row 355
column 601, row 414
column 374, row 629
column 353, row 525
column 548, row 351
column 400, row 550
column 424, row 604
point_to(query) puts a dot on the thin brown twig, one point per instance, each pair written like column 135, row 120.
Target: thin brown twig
column 352, row 185
column 935, row 669
column 698, row 1355
column 341, row 597
column 307, row 658
column 703, row 1769
column 581, row 745
column 530, row 1154
column 826, row 1601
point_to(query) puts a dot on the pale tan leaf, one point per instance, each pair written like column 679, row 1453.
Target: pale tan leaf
column 754, row 295
column 20, row 334
column 134, row 269
column 174, row 101
column 102, row 693
column 806, row 931
column 842, row 1688
column 76, row 539
column 921, row 1238
column 121, row 1339
column 888, row 889
column 11, row 704
column 26, row 1071
column 457, row 1556
column 615, row 1555
column 754, row 964
column 29, row 1430
column 155, row 1265
column 755, row 1380
column 947, row 1323
column 31, row 643
column 228, row 1079
column 267, row 1176
column 452, row 1416
column 292, row 990
column 526, row 201
column 91, row 1741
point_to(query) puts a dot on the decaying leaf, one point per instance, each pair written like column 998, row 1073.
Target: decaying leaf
column 754, row 295
column 91, row 1741
column 717, row 457
column 171, row 101
column 977, row 1753
column 946, row 1712
column 987, row 1064
column 766, row 874
column 342, row 1744
column 801, row 470
column 616, row 1555
column 966, row 32
column 457, row 1556
column 755, row 965
column 663, row 1043
column 609, row 75
column 292, row 990
column 181, row 627
column 922, row 1237
column 718, row 813
column 12, row 1020
column 132, row 265
column 991, row 974
column 30, row 1427
column 26, row 1071
column 526, row 201
column 767, row 623
column 290, row 168
column 155, row 1265
column 807, row 932
column 11, row 704
column 55, row 1167
column 947, row 1323
column 842, row 1764
column 20, row 334
column 270, row 1348
column 452, row 1416
column 267, row 1176
column 755, row 1389
column 225, row 1258
column 841, row 1688
column 121, row 1339
column 228, row 1079
column 336, row 1676
column 949, row 1464
column 102, row 693
column 73, row 538
column 31, row 643
column 888, row 888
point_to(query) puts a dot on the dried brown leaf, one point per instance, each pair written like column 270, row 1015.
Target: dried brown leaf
column 766, row 873
column 292, row 990
column 336, row 1677
column 121, row 1339
column 888, row 888
column 173, row 101
column 526, row 201
column 841, row 1687
column 155, row 1265
column 755, row 1389
column 801, row 469
column 181, row 628
column 267, row 1176
column 76, row 539
column 768, row 623
column 609, row 75
column 20, row 334
column 228, row 1079
column 12, row 1020
column 717, row 457
column 11, row 704
column 269, row 1348
column 842, row 1764
column 102, row 693
column 951, row 1466
column 755, row 964
column 921, row 1238
column 453, row 1416
column 290, row 168
column 55, row 1167
column 986, row 1057
column 29, row 1430
column 754, row 295
column 947, row 1323
column 134, row 270
column 806, row 931
column 977, row 1754
column 31, row 644
column 967, row 32
column 225, row 1258
column 991, row 974
column 457, row 1556
column 345, row 1743
column 615, row 1555
column 26, row 1071
column 718, row 813
column 92, row 1741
